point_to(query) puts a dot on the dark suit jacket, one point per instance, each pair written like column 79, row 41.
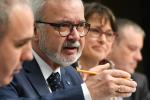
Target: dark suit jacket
column 142, row 92
column 30, row 84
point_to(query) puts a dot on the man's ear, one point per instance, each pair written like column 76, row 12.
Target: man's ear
column 36, row 33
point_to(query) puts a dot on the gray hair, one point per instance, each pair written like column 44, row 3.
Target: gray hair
column 123, row 23
column 5, row 10
column 37, row 6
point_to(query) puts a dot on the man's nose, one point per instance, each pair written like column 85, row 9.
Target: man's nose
column 75, row 35
column 27, row 53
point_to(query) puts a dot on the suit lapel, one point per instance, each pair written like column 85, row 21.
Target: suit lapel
column 34, row 75
column 65, row 79
column 70, row 77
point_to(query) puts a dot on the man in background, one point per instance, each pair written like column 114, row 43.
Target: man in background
column 126, row 53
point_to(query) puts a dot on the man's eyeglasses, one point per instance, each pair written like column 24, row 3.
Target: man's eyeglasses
column 97, row 32
column 65, row 29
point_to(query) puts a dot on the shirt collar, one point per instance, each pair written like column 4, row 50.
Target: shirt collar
column 45, row 68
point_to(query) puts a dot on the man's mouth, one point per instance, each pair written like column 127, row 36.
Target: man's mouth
column 70, row 50
column 71, row 47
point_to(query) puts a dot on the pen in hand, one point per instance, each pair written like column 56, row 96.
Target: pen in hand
column 95, row 73
column 86, row 71
column 92, row 72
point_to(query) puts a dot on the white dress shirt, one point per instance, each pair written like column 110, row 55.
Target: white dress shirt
column 47, row 71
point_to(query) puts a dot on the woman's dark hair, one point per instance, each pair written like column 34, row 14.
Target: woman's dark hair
column 101, row 10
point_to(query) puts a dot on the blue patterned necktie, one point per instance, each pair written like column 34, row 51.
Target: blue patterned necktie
column 54, row 82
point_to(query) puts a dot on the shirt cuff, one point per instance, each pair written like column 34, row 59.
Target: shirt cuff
column 86, row 92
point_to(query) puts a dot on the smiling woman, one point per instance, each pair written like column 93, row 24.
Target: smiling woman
column 99, row 40
column 93, row 63
column 16, row 32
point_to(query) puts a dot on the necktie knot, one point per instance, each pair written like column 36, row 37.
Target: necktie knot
column 54, row 82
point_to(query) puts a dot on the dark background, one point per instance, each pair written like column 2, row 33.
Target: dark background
column 138, row 11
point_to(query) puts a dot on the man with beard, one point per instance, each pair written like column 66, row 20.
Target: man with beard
column 58, row 42
column 60, row 28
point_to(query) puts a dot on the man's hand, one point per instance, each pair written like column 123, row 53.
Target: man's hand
column 109, row 82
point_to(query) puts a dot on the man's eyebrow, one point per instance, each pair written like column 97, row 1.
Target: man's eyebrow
column 70, row 22
column 26, row 39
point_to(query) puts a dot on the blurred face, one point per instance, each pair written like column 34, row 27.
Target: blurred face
column 15, row 46
column 99, row 40
column 61, row 50
column 127, row 53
